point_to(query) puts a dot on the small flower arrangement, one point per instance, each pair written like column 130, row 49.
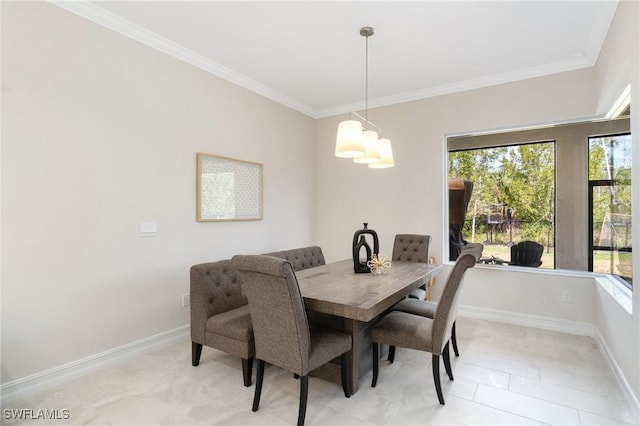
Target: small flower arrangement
column 378, row 264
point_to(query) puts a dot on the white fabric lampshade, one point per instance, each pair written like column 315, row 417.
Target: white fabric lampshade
column 350, row 140
column 372, row 148
column 386, row 155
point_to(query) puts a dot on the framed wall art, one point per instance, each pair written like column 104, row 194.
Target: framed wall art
column 228, row 189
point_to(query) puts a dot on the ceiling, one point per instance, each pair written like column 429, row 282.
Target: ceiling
column 311, row 57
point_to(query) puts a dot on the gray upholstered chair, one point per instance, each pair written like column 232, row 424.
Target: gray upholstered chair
column 412, row 248
column 219, row 314
column 283, row 336
column 425, row 334
column 426, row 309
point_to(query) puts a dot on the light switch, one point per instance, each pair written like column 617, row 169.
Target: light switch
column 148, row 229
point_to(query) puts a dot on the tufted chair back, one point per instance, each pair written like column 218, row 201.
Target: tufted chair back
column 215, row 288
column 280, row 325
column 301, row 258
column 411, row 248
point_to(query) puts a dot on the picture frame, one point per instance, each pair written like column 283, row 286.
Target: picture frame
column 228, row 189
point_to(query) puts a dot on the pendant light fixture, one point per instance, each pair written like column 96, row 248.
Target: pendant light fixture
column 359, row 138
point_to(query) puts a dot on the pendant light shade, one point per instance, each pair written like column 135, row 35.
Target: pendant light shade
column 350, row 140
column 386, row 156
column 372, row 148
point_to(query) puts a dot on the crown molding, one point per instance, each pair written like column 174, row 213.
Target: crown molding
column 113, row 22
column 122, row 26
column 479, row 83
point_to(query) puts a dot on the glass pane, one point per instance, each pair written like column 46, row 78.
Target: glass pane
column 610, row 158
column 512, row 199
column 612, row 216
column 617, row 262
column 610, row 176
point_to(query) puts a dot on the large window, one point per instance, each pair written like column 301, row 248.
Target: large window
column 537, row 184
column 610, row 230
column 512, row 198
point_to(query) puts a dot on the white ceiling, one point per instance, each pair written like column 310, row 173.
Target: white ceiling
column 311, row 57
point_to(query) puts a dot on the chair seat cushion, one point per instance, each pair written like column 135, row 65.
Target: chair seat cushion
column 404, row 330
column 235, row 324
column 418, row 293
column 416, row 307
column 326, row 345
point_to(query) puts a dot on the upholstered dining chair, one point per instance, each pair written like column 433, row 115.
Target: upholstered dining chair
column 412, row 248
column 282, row 334
column 415, row 248
column 425, row 334
column 425, row 309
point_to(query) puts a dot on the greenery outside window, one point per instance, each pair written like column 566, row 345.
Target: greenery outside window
column 512, row 198
column 610, row 230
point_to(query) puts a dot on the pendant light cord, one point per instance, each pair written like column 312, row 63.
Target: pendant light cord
column 366, row 81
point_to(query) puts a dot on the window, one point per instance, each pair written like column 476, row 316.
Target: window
column 552, row 163
column 512, row 198
column 610, row 230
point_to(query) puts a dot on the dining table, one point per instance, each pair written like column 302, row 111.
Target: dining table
column 337, row 297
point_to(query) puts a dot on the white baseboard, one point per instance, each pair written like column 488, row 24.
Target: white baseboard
column 526, row 320
column 30, row 385
column 630, row 397
column 563, row 326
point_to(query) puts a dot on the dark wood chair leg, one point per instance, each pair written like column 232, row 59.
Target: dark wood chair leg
column 447, row 361
column 392, row 354
column 435, row 365
column 247, row 369
column 454, row 341
column 304, row 390
column 259, row 377
column 196, row 351
column 344, row 374
column 376, row 357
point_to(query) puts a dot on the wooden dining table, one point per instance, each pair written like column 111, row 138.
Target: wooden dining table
column 337, row 297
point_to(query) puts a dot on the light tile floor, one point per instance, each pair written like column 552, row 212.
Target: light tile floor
column 505, row 375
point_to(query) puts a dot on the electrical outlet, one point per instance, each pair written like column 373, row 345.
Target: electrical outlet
column 185, row 300
column 566, row 296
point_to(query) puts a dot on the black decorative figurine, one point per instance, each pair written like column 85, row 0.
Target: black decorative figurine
column 359, row 242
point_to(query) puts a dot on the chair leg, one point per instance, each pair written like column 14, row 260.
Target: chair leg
column 247, row 368
column 447, row 361
column 344, row 374
column 196, row 351
column 374, row 380
column 454, row 342
column 435, row 365
column 259, row 377
column 304, row 390
column 392, row 354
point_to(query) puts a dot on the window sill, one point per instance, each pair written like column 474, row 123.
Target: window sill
column 618, row 291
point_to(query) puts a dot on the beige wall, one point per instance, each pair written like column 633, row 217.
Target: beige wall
column 617, row 67
column 99, row 134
